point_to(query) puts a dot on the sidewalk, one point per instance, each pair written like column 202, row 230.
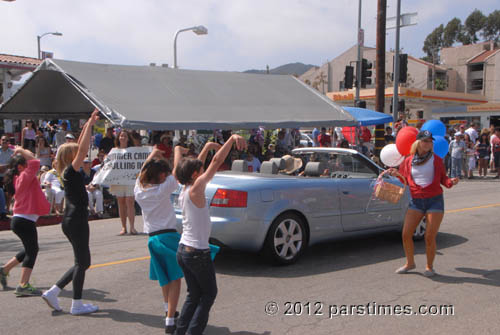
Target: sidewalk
column 48, row 220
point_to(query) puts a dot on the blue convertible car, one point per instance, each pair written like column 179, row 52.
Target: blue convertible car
column 283, row 214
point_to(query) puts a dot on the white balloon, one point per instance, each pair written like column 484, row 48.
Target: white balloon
column 390, row 155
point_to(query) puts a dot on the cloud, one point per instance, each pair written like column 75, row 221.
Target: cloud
column 242, row 34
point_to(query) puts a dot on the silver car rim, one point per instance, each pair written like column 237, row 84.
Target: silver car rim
column 288, row 239
column 420, row 231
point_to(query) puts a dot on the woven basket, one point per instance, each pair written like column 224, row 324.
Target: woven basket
column 387, row 191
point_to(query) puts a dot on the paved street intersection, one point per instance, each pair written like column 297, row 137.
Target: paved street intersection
column 256, row 298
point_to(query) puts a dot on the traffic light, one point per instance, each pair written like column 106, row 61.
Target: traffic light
column 366, row 73
column 403, row 68
column 348, row 76
column 401, row 107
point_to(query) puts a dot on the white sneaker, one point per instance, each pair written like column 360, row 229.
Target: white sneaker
column 51, row 300
column 84, row 309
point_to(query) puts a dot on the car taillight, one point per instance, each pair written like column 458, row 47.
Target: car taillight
column 229, row 198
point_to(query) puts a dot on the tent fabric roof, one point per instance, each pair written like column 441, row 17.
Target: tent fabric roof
column 158, row 98
column 367, row 117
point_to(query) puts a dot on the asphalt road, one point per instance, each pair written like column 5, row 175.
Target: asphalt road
column 354, row 272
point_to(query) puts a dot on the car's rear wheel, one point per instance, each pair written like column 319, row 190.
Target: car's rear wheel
column 286, row 238
column 419, row 233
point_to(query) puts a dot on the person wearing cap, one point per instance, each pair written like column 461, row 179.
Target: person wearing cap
column 425, row 173
column 165, row 146
column 70, row 138
column 457, row 150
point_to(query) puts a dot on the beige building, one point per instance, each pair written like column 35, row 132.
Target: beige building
column 476, row 68
column 330, row 76
column 467, row 78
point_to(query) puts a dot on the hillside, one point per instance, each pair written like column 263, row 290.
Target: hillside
column 292, row 68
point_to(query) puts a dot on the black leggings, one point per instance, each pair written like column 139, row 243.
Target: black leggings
column 26, row 230
column 77, row 232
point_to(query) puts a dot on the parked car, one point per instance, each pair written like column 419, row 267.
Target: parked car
column 282, row 215
column 306, row 140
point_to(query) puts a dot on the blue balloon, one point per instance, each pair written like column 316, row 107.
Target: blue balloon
column 440, row 146
column 436, row 127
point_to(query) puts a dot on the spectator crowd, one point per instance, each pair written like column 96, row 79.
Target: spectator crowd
column 471, row 150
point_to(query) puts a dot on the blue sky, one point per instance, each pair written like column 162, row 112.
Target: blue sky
column 242, row 34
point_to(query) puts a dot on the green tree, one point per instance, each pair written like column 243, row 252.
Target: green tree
column 452, row 32
column 474, row 24
column 434, row 42
column 440, row 84
column 491, row 29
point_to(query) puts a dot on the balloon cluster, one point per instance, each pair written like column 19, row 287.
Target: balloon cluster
column 394, row 154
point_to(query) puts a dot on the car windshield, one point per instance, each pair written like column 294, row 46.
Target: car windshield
column 340, row 162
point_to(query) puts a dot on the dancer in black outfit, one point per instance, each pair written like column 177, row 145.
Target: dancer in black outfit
column 75, row 224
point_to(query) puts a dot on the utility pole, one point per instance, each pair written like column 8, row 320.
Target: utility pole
column 358, row 62
column 395, row 97
column 380, row 71
column 434, row 50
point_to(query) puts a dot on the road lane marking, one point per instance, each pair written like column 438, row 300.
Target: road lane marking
column 120, row 262
column 471, row 208
column 148, row 257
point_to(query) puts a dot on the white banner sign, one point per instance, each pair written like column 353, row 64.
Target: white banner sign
column 122, row 166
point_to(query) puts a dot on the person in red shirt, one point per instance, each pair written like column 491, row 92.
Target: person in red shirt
column 495, row 148
column 165, row 146
column 99, row 159
column 29, row 206
column 425, row 173
column 324, row 139
column 366, row 135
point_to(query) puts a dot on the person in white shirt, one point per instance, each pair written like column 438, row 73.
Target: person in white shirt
column 152, row 191
column 52, row 180
column 472, row 132
column 61, row 134
column 195, row 254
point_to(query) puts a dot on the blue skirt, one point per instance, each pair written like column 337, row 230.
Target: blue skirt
column 163, row 265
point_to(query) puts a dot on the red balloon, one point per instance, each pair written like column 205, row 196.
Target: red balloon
column 404, row 140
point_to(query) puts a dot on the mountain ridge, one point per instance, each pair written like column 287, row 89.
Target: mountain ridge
column 286, row 69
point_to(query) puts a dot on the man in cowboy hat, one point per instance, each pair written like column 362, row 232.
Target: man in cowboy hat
column 292, row 164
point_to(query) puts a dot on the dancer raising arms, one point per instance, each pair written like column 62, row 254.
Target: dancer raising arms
column 153, row 189
column 30, row 204
column 75, row 223
column 194, row 255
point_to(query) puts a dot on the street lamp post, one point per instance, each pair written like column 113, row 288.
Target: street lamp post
column 198, row 30
column 39, row 37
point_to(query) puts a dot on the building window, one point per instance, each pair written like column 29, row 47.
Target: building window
column 476, row 67
column 476, row 84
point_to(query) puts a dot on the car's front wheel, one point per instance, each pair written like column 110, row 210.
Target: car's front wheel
column 286, row 238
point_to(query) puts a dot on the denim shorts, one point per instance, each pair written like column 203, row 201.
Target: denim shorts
column 428, row 205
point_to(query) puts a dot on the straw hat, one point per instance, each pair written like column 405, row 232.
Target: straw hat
column 292, row 164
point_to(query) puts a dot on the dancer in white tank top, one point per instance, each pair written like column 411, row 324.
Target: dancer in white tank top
column 194, row 251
